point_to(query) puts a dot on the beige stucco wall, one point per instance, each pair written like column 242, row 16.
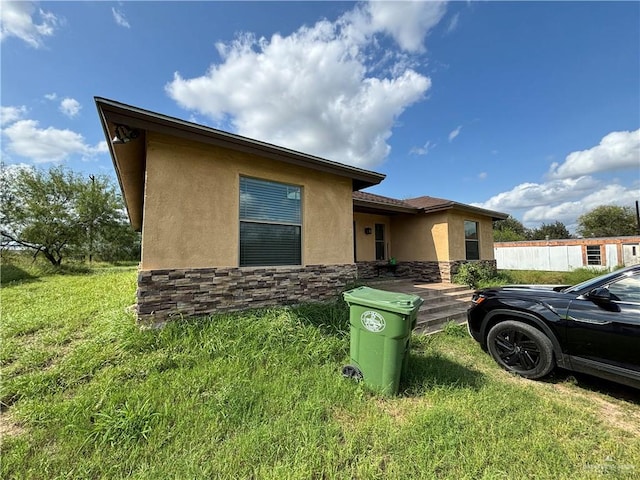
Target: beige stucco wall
column 456, row 237
column 191, row 206
column 429, row 237
column 366, row 244
column 421, row 237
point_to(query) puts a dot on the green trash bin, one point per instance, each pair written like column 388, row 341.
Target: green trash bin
column 381, row 324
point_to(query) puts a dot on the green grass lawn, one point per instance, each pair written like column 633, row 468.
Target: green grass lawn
column 86, row 394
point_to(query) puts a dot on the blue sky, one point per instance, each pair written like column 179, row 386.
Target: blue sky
column 529, row 108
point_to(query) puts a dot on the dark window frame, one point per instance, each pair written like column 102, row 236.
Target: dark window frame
column 380, row 241
column 471, row 244
column 261, row 219
column 594, row 258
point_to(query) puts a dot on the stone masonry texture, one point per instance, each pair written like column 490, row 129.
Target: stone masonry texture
column 428, row 272
column 166, row 294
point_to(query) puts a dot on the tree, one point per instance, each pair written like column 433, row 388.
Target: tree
column 509, row 230
column 99, row 208
column 116, row 242
column 38, row 210
column 58, row 212
column 556, row 230
column 607, row 221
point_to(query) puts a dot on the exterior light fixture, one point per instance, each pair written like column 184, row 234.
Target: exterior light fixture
column 367, row 230
column 125, row 134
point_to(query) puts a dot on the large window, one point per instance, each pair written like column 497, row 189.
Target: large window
column 471, row 243
column 270, row 223
column 593, row 255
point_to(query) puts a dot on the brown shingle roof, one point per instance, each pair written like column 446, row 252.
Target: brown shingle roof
column 379, row 199
column 371, row 201
column 428, row 203
column 434, row 204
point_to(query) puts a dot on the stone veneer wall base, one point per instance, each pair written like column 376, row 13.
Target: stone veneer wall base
column 427, row 272
column 172, row 293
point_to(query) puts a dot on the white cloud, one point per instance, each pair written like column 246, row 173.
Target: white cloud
column 101, row 147
column 423, row 150
column 453, row 23
column 483, row 175
column 70, row 107
column 454, row 133
column 120, row 18
column 47, row 145
column 616, row 151
column 20, row 20
column 313, row 90
column 11, row 114
column 568, row 212
column 561, row 200
column 572, row 189
column 14, row 168
column 407, row 22
column 529, row 195
column 51, row 96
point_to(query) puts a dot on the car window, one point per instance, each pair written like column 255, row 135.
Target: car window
column 626, row 289
column 586, row 285
column 601, row 280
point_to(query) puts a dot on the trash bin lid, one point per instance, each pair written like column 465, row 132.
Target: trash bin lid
column 395, row 302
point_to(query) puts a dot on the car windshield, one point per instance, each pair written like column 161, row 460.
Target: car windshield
column 583, row 285
column 593, row 281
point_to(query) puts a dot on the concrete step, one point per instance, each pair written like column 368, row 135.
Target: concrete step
column 436, row 326
column 443, row 305
column 443, row 302
column 450, row 313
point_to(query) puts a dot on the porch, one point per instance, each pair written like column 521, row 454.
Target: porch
column 424, row 238
column 443, row 302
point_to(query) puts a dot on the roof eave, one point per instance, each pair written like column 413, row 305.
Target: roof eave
column 470, row 208
column 139, row 118
column 384, row 207
column 134, row 206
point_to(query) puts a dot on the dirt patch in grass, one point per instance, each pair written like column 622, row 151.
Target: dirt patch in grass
column 9, row 428
column 401, row 408
column 617, row 414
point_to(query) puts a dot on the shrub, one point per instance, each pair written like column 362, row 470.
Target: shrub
column 475, row 273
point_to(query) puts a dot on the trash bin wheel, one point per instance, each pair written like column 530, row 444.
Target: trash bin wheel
column 349, row 371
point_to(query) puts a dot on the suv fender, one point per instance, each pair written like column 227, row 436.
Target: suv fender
column 530, row 319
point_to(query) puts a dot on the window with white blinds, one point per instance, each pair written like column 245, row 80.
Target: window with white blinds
column 270, row 223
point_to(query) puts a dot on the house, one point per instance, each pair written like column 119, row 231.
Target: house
column 427, row 237
column 568, row 254
column 229, row 222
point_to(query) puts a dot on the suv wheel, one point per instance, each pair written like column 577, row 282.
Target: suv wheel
column 521, row 349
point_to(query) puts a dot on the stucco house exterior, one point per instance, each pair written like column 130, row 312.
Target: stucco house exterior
column 427, row 237
column 230, row 223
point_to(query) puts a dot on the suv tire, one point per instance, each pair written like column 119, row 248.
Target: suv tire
column 520, row 348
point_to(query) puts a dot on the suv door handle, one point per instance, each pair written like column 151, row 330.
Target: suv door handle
column 589, row 320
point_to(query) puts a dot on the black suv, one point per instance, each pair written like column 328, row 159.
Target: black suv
column 592, row 327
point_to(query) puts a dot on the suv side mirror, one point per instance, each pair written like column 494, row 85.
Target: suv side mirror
column 602, row 297
column 600, row 294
